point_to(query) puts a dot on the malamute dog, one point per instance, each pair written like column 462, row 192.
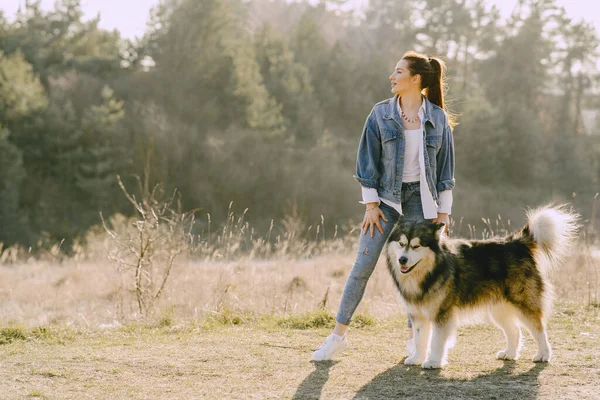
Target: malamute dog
column 441, row 279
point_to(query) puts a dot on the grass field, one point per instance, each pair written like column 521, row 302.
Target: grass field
column 268, row 358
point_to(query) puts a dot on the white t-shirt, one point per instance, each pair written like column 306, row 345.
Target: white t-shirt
column 412, row 170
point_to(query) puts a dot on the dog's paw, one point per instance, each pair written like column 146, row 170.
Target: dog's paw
column 412, row 360
column 542, row 356
column 507, row 355
column 431, row 364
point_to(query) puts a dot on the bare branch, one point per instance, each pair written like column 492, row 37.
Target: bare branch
column 131, row 199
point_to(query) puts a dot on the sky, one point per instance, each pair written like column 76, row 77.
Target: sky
column 129, row 16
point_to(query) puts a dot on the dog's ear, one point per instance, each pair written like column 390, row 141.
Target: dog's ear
column 438, row 229
column 395, row 234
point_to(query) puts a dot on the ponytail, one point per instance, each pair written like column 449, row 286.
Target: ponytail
column 435, row 91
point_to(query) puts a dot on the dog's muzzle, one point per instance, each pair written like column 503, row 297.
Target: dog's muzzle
column 406, row 270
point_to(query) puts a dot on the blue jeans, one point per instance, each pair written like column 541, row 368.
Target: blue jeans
column 369, row 249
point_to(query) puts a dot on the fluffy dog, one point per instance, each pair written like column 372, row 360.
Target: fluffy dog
column 442, row 280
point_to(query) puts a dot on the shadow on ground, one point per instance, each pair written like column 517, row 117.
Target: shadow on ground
column 312, row 386
column 403, row 382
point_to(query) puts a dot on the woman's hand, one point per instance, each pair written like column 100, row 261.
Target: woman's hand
column 445, row 218
column 372, row 219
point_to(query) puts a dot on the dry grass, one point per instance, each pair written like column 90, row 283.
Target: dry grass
column 87, row 293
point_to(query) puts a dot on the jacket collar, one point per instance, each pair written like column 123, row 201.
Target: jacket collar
column 393, row 112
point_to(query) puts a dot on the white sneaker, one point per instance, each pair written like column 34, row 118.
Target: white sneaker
column 333, row 345
column 410, row 347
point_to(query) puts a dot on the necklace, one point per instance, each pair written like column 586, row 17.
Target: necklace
column 410, row 121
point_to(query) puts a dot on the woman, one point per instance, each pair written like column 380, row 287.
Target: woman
column 405, row 166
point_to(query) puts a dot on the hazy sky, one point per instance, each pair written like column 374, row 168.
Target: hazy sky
column 129, row 16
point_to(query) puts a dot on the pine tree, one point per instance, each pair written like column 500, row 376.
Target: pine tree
column 59, row 40
column 103, row 151
column 20, row 89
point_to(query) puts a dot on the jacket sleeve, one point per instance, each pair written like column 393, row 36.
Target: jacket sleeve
column 369, row 195
column 369, row 154
column 446, row 199
column 445, row 161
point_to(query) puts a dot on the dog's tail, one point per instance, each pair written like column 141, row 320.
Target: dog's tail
column 553, row 229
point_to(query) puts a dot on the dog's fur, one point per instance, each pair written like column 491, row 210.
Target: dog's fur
column 443, row 279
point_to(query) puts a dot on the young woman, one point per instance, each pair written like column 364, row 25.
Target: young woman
column 405, row 166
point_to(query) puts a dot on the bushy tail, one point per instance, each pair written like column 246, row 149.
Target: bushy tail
column 554, row 229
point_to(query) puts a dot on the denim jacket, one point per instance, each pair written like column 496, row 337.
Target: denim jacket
column 380, row 159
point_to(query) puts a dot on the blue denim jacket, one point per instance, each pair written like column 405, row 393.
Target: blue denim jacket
column 380, row 159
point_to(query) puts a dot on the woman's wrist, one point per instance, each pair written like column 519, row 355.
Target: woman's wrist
column 370, row 206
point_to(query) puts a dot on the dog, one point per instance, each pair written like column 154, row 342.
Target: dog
column 442, row 280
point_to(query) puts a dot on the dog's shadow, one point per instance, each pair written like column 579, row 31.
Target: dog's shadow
column 401, row 382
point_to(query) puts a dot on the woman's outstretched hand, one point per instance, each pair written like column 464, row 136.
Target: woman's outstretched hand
column 371, row 220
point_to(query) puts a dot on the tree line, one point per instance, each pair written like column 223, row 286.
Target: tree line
column 262, row 104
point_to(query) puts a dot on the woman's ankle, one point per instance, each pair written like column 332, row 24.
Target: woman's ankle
column 340, row 329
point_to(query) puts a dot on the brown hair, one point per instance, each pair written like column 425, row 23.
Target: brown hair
column 433, row 76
